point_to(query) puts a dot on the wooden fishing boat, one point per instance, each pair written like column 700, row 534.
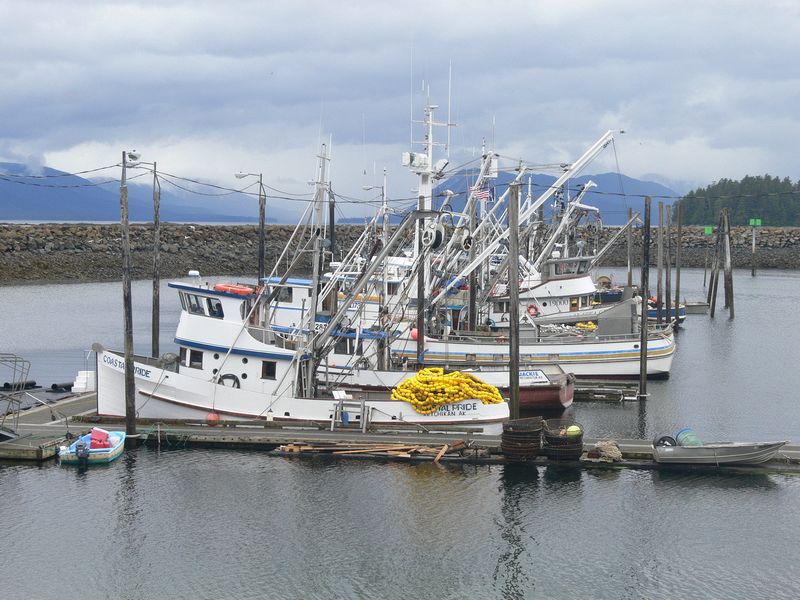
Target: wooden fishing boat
column 97, row 446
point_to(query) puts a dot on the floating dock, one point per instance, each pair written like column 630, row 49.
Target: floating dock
column 43, row 429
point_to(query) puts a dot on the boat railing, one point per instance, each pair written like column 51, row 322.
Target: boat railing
column 280, row 339
column 565, row 336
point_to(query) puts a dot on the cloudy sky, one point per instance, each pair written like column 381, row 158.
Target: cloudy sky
column 703, row 89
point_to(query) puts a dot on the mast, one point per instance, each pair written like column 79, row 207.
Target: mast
column 306, row 382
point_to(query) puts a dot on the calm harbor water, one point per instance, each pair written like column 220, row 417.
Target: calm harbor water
column 181, row 523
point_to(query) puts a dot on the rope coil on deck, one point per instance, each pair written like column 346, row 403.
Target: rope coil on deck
column 431, row 388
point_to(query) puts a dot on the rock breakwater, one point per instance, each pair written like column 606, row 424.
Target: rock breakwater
column 91, row 252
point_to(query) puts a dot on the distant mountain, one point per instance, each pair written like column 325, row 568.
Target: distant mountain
column 613, row 195
column 51, row 195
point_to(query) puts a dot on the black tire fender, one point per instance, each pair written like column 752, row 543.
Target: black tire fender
column 664, row 440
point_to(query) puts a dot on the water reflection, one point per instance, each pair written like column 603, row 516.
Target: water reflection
column 127, row 525
column 709, row 477
column 519, row 484
column 563, row 475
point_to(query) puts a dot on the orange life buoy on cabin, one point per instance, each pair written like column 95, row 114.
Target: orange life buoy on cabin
column 232, row 288
column 533, row 310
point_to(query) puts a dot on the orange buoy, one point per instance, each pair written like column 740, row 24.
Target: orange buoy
column 212, row 419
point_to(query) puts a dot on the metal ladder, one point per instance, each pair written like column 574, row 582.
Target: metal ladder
column 9, row 412
column 345, row 404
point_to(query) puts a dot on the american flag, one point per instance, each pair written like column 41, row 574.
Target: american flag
column 481, row 194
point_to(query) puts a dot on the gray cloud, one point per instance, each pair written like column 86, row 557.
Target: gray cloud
column 705, row 90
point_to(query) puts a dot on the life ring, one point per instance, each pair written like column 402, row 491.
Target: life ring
column 533, row 310
column 232, row 288
column 234, row 380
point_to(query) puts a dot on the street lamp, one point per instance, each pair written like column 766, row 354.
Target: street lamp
column 129, row 159
column 262, row 209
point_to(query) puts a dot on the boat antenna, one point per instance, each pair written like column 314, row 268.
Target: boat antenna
column 411, row 97
column 449, row 96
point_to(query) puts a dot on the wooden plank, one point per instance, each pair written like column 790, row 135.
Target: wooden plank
column 441, row 453
column 378, row 448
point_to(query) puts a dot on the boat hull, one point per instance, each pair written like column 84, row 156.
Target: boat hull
column 731, row 453
column 537, row 389
column 167, row 394
column 68, row 455
column 585, row 358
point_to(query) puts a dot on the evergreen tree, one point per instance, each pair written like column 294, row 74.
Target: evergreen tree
column 773, row 200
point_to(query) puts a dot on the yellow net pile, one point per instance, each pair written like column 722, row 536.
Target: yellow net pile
column 431, row 388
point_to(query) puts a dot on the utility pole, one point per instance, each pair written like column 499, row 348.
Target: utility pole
column 127, row 311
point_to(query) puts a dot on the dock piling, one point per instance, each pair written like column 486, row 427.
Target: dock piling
column 642, row 395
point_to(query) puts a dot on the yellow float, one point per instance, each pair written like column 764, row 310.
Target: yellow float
column 431, row 388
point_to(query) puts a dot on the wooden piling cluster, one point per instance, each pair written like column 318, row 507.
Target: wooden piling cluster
column 722, row 255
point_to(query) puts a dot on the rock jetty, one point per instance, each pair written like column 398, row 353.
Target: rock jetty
column 62, row 252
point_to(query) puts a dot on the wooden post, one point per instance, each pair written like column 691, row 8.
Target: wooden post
column 660, row 265
column 712, row 284
column 156, row 316
column 678, row 245
column 420, row 292
column 668, row 271
column 513, row 298
column 127, row 310
column 630, row 249
column 262, row 217
column 728, row 266
column 642, row 395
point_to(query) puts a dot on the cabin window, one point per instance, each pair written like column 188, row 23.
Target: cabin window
column 183, row 355
column 341, row 346
column 502, row 307
column 196, row 359
column 194, row 304
column 215, row 308
column 269, row 369
column 583, row 267
column 284, row 294
column 345, row 345
column 182, row 296
column 392, row 288
column 244, row 308
column 573, row 304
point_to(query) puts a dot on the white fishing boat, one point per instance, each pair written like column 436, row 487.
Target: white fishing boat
column 230, row 368
column 611, row 350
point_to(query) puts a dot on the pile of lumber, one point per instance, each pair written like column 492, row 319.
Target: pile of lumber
column 375, row 449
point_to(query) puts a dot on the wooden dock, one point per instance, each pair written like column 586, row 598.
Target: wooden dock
column 605, row 390
column 42, row 430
